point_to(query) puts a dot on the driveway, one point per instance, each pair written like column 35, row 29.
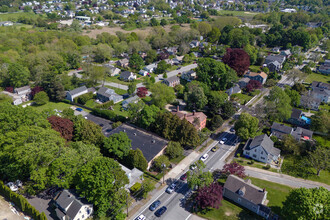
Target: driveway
column 43, row 205
column 6, row 211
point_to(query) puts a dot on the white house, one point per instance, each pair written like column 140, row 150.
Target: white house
column 112, row 70
column 127, row 76
column 143, row 72
column 70, row 95
column 150, row 68
column 262, row 149
column 69, row 207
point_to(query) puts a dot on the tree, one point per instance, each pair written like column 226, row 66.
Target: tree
column 134, row 109
column 209, row 196
column 299, row 88
column 214, row 35
column 154, row 22
column 103, row 52
column 136, row 62
column 252, row 52
column 290, row 145
column 233, row 169
column 253, row 85
column 319, row 159
column 101, row 181
column 62, row 125
column 147, row 116
column 321, row 122
column 17, row 75
column 137, row 160
column 118, row 145
column 142, row 92
column 305, row 203
column 87, row 131
column 35, row 90
column 204, row 28
column 174, row 150
column 131, row 88
column 195, row 97
column 41, row 98
column 215, row 100
column 159, row 161
column 197, row 178
column 294, row 96
column 227, row 110
column 237, row 59
column 246, row 126
column 216, row 122
column 162, row 94
column 151, row 56
column 278, row 105
column 162, row 66
column 163, row 22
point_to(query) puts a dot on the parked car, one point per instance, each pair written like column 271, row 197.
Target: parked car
column 12, row 186
column 193, row 166
column 79, row 109
column 171, row 188
column 18, row 183
column 214, row 149
column 204, row 157
column 183, row 177
column 141, row 217
column 223, row 141
column 154, row 205
column 160, row 211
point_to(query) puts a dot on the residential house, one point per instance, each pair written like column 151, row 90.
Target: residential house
column 233, row 90
column 321, row 91
column 309, row 101
column 274, row 62
column 71, row 95
column 243, row 82
column 151, row 145
column 134, row 176
column 105, row 94
column 112, row 70
column 123, row 63
column 314, row 24
column 325, row 68
column 276, row 49
column 198, row 119
column 262, row 149
column 171, row 50
column 172, row 81
column 130, row 100
column 297, row 118
column 143, row 73
column 281, row 130
column 260, row 77
column 127, row 76
column 194, row 43
column 189, row 75
column 320, row 85
column 286, row 53
column 19, row 95
column 69, row 207
column 247, row 195
column 150, row 68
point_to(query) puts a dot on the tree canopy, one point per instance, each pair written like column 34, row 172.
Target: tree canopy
column 162, row 94
column 237, row 59
column 246, row 126
column 117, row 145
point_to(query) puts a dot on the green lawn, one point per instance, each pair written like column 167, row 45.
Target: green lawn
column 244, row 162
column 15, row 16
column 91, row 103
column 117, row 90
column 52, row 105
column 325, row 107
column 116, row 79
column 254, row 68
column 241, row 98
column 117, row 110
column 237, row 13
column 177, row 160
column 228, row 211
column 317, row 77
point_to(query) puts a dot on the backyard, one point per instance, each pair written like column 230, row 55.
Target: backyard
column 52, row 105
column 228, row 211
column 317, row 77
column 241, row 98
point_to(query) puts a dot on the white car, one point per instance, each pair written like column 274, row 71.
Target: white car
column 141, row 217
column 204, row 157
column 171, row 188
column 12, row 186
column 223, row 140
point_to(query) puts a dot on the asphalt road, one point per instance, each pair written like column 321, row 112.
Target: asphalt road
column 174, row 201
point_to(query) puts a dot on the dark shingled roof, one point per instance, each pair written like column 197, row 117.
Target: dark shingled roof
column 125, row 74
column 296, row 113
column 272, row 58
column 252, row 193
column 150, row 144
column 78, row 90
column 279, row 130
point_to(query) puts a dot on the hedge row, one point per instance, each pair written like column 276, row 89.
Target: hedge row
column 21, row 203
column 108, row 114
column 105, row 105
column 82, row 99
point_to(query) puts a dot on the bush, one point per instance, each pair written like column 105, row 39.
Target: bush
column 84, row 98
column 251, row 162
column 105, row 105
column 159, row 161
column 66, row 101
column 41, row 98
column 135, row 188
column 267, row 167
column 174, row 150
column 107, row 114
column 116, row 124
column 238, row 155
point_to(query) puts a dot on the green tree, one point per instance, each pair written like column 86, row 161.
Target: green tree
column 134, row 110
column 147, row 116
column 174, row 150
column 294, row 96
column 159, row 161
column 278, row 105
column 102, row 53
column 41, row 98
column 118, row 145
column 216, row 122
column 215, row 100
column 214, row 35
column 195, row 97
column 163, row 22
column 305, row 203
column 17, row 75
column 101, row 181
column 162, row 66
column 246, row 126
column 87, row 131
column 319, row 159
column 151, row 56
column 154, row 22
column 162, row 94
column 321, row 122
column 227, row 110
column 136, row 159
column 197, row 178
column 131, row 88
column 136, row 62
column 252, row 52
column 204, row 28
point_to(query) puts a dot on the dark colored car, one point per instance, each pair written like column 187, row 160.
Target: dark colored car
column 79, row 109
column 160, row 211
column 183, row 177
column 154, row 205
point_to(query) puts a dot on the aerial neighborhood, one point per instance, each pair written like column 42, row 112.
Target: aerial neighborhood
column 164, row 109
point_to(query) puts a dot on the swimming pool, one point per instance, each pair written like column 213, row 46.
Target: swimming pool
column 307, row 120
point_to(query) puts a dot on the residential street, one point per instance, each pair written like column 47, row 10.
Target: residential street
column 282, row 178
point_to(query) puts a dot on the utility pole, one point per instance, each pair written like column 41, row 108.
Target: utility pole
column 163, row 166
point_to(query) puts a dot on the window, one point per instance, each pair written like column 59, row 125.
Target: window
column 262, row 152
column 239, row 199
column 247, row 153
column 83, row 216
column 254, row 155
column 255, row 150
column 262, row 158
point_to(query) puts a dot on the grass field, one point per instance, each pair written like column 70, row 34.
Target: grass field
column 317, row 77
column 241, row 98
column 228, row 211
column 15, row 16
column 52, row 105
column 117, row 90
column 237, row 13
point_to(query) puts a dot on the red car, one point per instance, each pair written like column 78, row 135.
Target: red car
column 183, row 177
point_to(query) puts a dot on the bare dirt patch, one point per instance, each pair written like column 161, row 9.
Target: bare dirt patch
column 6, row 212
column 141, row 32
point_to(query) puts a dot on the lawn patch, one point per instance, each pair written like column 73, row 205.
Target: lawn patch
column 241, row 98
column 52, row 105
column 317, row 77
column 117, row 90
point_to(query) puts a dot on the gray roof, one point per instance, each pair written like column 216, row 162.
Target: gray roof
column 65, row 199
column 172, row 79
column 296, row 113
column 150, row 144
column 22, row 89
column 106, row 91
column 245, row 79
column 301, row 132
column 133, row 175
column 233, row 90
column 252, row 193
column 125, row 74
column 130, row 100
column 321, row 91
column 78, row 90
column 272, row 58
column 281, row 128
column 265, row 142
column 74, row 209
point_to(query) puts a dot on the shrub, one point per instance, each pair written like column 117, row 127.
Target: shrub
column 105, row 105
column 135, row 188
column 107, row 114
column 267, row 167
column 251, row 162
column 84, row 98
column 238, row 155
column 116, row 124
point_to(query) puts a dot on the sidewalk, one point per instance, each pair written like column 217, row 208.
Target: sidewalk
column 286, row 177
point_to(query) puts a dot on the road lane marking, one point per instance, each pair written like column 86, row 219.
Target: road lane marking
column 188, row 216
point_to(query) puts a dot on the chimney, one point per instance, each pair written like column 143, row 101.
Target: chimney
column 177, row 108
column 194, row 112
